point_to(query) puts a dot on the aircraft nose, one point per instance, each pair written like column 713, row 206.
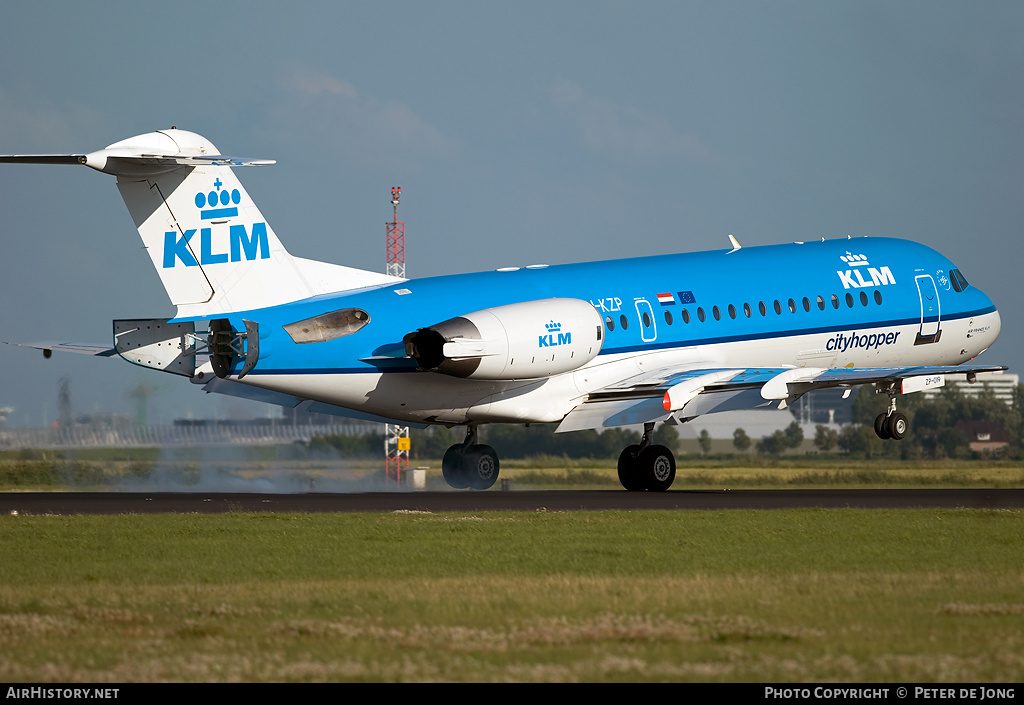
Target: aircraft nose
column 992, row 324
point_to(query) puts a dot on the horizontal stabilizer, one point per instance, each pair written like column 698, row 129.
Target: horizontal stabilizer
column 125, row 162
column 79, row 348
column 41, row 158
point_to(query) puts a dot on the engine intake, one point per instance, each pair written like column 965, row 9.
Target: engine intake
column 519, row 341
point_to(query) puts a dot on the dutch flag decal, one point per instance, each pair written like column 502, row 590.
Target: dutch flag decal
column 666, row 299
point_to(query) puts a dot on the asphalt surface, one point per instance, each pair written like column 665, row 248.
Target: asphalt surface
column 64, row 503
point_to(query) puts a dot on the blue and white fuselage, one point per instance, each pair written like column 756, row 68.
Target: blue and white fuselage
column 781, row 306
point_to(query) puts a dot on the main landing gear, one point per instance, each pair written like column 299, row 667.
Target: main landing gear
column 470, row 464
column 646, row 466
column 892, row 424
column 642, row 467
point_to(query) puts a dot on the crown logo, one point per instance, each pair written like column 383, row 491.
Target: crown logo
column 222, row 204
column 855, row 260
column 553, row 327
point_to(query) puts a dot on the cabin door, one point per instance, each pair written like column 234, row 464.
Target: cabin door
column 930, row 310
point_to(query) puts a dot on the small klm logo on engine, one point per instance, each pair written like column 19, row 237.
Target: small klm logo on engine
column 554, row 336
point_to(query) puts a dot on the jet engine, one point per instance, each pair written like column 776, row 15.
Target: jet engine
column 519, row 341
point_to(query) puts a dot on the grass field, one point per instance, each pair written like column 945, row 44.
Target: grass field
column 275, row 470
column 762, row 596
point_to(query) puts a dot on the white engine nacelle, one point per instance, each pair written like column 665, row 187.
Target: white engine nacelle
column 519, row 341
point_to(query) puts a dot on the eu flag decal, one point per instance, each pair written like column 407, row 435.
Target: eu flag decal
column 686, row 297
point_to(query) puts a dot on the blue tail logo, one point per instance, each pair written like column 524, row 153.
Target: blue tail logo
column 216, row 205
column 221, row 203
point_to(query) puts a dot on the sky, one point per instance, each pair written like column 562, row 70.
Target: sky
column 520, row 132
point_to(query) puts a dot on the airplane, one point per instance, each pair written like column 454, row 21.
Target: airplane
column 640, row 341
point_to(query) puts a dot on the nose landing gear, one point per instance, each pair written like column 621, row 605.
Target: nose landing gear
column 892, row 424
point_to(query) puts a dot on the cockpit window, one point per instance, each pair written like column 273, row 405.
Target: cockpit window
column 959, row 283
column 328, row 326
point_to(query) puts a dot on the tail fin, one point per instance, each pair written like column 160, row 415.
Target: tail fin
column 211, row 246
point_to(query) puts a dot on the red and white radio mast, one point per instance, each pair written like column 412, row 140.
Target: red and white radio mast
column 396, row 438
column 396, row 239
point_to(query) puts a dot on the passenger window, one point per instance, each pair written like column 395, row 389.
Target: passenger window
column 717, row 314
column 668, row 317
column 624, row 322
column 878, row 297
column 821, row 303
column 732, row 311
column 764, row 310
column 647, row 319
column 610, row 323
column 700, row 314
column 835, row 301
column 778, row 307
column 686, row 315
column 746, row 310
column 792, row 306
column 849, row 299
column 807, row 304
column 863, row 298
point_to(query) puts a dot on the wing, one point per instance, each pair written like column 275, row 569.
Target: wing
column 674, row 395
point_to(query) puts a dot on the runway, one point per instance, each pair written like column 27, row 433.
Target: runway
column 69, row 503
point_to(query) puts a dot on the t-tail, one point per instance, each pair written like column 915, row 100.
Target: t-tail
column 213, row 249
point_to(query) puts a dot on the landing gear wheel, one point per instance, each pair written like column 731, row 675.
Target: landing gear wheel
column 882, row 426
column 480, row 466
column 657, row 467
column 474, row 466
column 452, row 467
column 628, row 475
column 897, row 426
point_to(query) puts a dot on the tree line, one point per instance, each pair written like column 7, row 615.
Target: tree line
column 936, row 431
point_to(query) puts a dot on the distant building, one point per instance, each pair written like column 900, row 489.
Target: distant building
column 1002, row 385
column 984, row 436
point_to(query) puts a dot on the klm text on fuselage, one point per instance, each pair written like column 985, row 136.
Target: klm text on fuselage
column 242, row 244
column 853, row 278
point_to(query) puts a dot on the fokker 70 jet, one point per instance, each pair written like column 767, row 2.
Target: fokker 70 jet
column 586, row 346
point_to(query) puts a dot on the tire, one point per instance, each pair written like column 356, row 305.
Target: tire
column 628, row 469
column 897, row 425
column 882, row 426
column 480, row 466
column 657, row 466
column 452, row 467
